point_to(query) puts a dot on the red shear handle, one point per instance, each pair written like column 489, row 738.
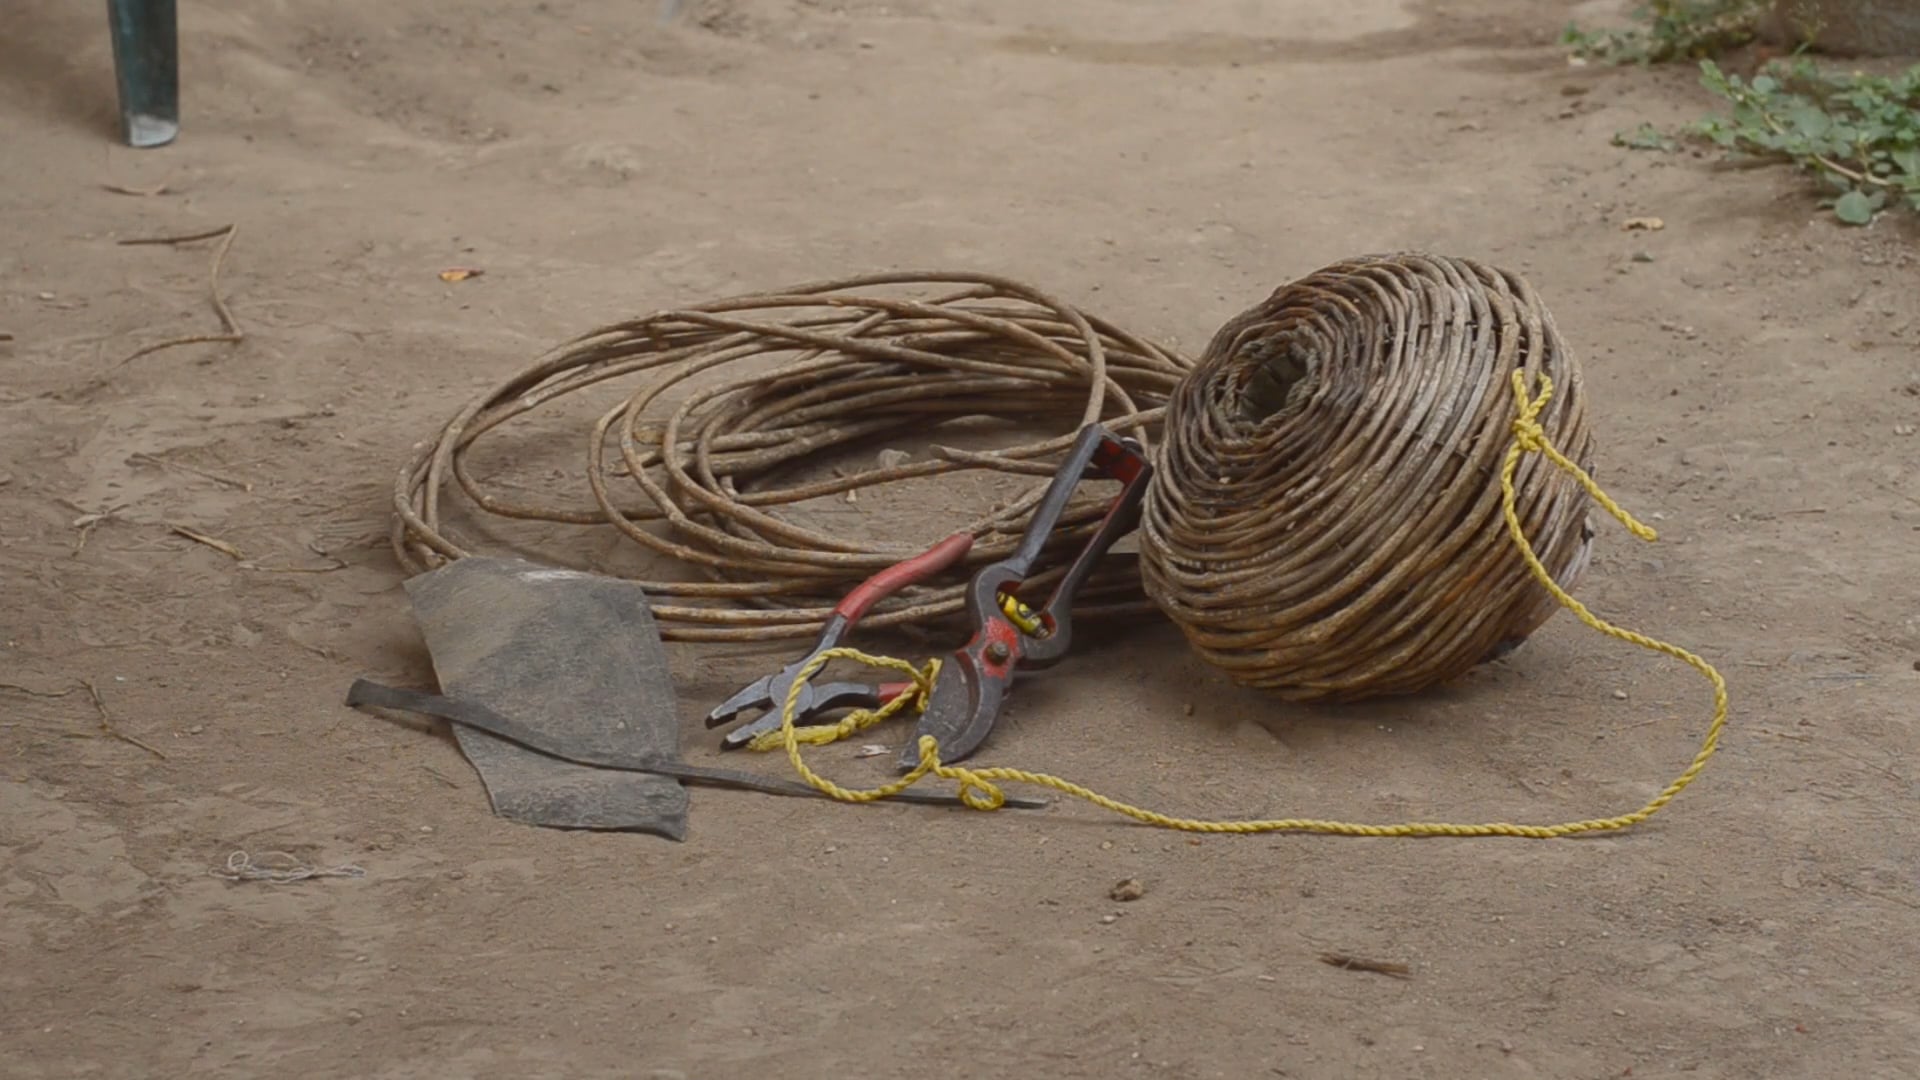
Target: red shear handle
column 1118, row 460
column 897, row 577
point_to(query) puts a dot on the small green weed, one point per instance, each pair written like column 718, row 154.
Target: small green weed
column 1671, row 30
column 1860, row 134
column 1645, row 137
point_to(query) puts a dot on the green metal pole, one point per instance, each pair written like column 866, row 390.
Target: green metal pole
column 146, row 67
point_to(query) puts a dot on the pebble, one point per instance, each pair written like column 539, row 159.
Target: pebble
column 196, row 729
column 1109, row 919
column 1619, row 695
column 1127, row 889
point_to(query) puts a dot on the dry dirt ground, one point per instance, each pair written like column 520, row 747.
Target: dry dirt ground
column 1167, row 164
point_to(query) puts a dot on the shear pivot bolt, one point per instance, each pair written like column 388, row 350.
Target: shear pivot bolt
column 997, row 652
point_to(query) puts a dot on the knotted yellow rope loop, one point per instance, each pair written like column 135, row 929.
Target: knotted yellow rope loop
column 978, row 789
column 790, row 735
column 1529, row 436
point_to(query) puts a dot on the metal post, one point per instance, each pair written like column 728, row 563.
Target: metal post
column 146, row 67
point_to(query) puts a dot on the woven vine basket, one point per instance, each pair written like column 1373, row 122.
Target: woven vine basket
column 1326, row 519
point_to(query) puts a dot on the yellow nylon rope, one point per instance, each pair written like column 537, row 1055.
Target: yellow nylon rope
column 977, row 786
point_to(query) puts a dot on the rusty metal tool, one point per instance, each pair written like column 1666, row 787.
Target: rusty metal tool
column 769, row 692
column 972, row 686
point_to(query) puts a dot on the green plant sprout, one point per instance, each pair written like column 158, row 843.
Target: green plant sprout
column 1671, row 30
column 1859, row 134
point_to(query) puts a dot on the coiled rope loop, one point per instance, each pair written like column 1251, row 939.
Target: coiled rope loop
column 695, row 467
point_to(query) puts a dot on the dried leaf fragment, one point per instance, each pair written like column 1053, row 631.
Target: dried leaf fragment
column 1643, row 224
column 460, row 273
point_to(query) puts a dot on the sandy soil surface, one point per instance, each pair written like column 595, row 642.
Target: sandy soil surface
column 1752, row 367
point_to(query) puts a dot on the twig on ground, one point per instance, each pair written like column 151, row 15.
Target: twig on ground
column 88, row 521
column 99, row 706
column 440, row 776
column 213, row 542
column 107, row 725
column 142, row 458
column 230, row 330
column 332, row 566
column 1354, row 963
column 187, row 238
column 144, row 193
column 1864, row 891
column 31, row 692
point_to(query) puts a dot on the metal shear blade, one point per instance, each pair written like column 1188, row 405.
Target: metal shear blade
column 814, row 700
column 961, row 711
column 770, row 691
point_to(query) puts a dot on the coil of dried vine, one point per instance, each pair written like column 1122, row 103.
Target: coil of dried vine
column 1326, row 518
column 725, row 401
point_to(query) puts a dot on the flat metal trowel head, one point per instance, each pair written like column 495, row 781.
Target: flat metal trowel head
column 574, row 656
